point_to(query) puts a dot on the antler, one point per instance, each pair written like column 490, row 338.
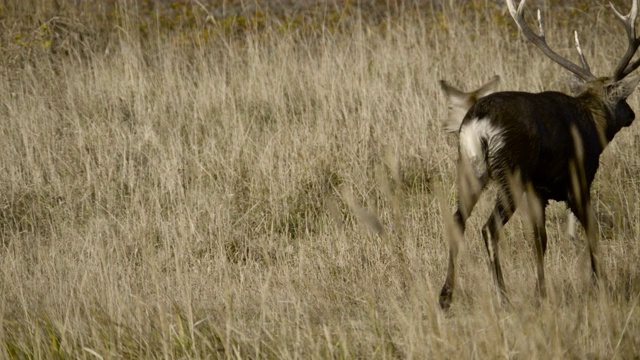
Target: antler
column 623, row 69
column 583, row 72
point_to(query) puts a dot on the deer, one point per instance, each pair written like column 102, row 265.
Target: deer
column 459, row 102
column 545, row 145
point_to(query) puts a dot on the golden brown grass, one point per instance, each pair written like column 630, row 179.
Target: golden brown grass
column 275, row 193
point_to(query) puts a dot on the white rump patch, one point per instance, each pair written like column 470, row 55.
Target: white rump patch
column 472, row 134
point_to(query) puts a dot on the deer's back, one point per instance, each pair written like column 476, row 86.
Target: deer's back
column 535, row 137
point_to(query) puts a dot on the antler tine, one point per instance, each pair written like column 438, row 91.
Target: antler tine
column 585, row 64
column 624, row 68
column 625, row 18
column 539, row 40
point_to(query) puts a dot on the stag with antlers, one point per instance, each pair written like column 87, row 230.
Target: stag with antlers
column 546, row 145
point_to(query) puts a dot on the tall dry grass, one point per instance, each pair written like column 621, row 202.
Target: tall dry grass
column 275, row 193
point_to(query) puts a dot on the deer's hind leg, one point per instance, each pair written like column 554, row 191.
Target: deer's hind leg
column 503, row 209
column 470, row 186
column 537, row 207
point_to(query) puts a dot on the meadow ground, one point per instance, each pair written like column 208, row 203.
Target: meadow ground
column 207, row 180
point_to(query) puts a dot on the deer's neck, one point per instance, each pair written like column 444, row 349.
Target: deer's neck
column 600, row 115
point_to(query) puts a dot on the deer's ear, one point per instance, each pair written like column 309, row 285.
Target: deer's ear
column 488, row 88
column 623, row 88
column 456, row 97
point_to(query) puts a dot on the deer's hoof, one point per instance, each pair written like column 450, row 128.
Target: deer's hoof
column 445, row 298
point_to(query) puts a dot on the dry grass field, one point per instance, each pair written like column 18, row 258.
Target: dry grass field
column 207, row 180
